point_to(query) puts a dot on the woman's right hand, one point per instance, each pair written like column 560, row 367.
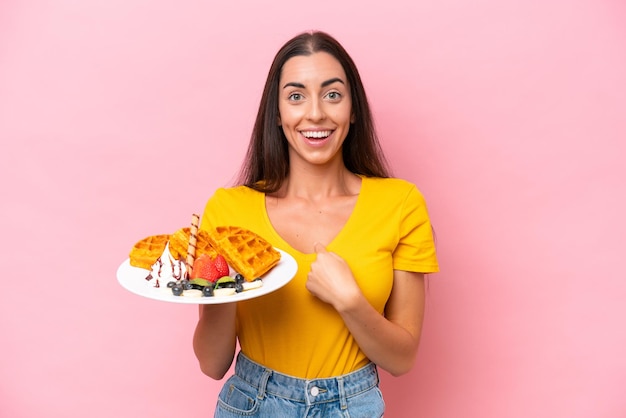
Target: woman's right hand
column 215, row 338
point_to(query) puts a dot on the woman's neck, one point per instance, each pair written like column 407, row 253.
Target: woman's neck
column 319, row 182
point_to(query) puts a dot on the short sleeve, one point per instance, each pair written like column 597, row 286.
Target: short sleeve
column 224, row 207
column 212, row 210
column 416, row 247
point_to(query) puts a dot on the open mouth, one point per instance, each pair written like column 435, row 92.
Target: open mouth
column 316, row 134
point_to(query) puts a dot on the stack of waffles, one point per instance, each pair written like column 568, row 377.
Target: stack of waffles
column 245, row 251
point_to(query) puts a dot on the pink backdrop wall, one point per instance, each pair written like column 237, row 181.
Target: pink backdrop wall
column 509, row 115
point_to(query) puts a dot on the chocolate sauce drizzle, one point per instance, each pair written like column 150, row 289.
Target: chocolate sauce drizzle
column 177, row 272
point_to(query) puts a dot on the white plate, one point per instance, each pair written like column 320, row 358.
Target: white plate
column 133, row 279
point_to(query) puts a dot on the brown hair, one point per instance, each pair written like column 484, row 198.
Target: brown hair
column 267, row 160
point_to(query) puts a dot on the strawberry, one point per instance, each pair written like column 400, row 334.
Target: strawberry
column 222, row 265
column 204, row 268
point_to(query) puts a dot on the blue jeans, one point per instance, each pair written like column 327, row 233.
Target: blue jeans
column 256, row 391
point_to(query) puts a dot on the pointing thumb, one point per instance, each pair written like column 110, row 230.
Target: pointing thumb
column 319, row 248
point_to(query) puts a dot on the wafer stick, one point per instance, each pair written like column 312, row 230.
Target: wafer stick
column 193, row 240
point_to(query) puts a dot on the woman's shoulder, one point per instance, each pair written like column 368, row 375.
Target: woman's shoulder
column 230, row 198
column 391, row 185
column 235, row 192
column 232, row 206
column 394, row 192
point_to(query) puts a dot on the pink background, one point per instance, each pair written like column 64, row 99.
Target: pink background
column 119, row 118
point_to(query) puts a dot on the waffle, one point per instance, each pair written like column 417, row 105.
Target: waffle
column 246, row 252
column 179, row 242
column 147, row 251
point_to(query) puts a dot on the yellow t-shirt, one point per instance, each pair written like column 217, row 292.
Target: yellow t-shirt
column 290, row 330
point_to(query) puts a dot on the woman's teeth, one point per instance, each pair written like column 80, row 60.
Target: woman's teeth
column 316, row 134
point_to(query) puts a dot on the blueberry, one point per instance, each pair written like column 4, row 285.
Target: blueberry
column 227, row 285
column 239, row 278
column 187, row 285
column 238, row 287
column 177, row 290
column 207, row 291
column 171, row 284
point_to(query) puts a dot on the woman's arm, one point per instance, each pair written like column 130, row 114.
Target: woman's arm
column 215, row 339
column 390, row 341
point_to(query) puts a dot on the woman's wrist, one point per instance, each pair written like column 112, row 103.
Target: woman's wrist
column 349, row 302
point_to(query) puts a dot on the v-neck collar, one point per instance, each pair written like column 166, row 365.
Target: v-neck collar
column 336, row 239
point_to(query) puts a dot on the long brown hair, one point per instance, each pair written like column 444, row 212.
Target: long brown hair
column 267, row 160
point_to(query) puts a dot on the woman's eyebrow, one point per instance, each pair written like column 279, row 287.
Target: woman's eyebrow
column 324, row 84
column 294, row 84
column 331, row 81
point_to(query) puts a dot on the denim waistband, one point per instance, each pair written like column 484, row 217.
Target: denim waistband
column 309, row 391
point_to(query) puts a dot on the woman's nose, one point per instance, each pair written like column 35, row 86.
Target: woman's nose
column 316, row 111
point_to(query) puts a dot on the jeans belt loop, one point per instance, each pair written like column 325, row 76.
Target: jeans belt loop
column 342, row 394
column 263, row 383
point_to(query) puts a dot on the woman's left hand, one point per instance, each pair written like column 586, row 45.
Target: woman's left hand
column 331, row 279
column 389, row 340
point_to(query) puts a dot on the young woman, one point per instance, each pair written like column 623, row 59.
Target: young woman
column 316, row 185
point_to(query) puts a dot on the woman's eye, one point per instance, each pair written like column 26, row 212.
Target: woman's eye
column 295, row 97
column 333, row 95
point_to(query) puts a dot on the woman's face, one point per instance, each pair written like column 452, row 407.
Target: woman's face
column 315, row 107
